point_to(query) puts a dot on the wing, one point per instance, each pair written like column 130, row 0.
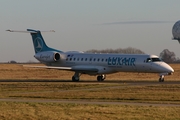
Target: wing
column 79, row 68
column 48, row 67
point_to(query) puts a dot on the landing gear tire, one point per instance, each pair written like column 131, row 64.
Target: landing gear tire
column 74, row 79
column 161, row 79
column 76, row 76
column 101, row 78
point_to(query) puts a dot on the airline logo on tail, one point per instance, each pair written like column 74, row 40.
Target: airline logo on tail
column 38, row 44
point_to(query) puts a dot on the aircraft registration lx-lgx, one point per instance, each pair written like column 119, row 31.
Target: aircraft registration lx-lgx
column 95, row 64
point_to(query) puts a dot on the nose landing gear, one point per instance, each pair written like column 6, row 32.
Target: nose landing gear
column 161, row 79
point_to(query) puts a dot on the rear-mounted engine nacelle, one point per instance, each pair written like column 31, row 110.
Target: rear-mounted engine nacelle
column 48, row 56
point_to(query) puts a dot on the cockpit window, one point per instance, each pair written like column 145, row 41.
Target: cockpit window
column 148, row 60
column 153, row 59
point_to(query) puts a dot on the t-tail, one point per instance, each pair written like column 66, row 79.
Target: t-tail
column 38, row 42
column 43, row 53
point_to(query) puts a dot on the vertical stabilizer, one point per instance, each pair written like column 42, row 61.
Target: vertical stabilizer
column 38, row 42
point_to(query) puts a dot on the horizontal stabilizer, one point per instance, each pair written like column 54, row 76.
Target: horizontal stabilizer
column 21, row 31
column 33, row 31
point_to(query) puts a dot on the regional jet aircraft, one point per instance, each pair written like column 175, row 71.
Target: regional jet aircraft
column 95, row 64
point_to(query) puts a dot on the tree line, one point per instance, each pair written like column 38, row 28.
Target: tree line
column 166, row 55
column 128, row 50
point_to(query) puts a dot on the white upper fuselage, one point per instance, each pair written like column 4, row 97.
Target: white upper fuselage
column 108, row 63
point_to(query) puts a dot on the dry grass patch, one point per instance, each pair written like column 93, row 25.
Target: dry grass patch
column 148, row 93
column 161, row 93
column 55, row 111
column 17, row 71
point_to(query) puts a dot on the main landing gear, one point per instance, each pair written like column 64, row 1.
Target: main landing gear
column 161, row 79
column 101, row 77
column 75, row 77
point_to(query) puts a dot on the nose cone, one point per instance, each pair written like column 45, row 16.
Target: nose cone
column 166, row 68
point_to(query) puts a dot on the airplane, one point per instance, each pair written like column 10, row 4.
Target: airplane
column 97, row 64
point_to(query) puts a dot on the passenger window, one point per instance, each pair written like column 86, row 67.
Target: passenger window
column 78, row 59
column 106, row 60
column 86, row 59
column 70, row 59
column 98, row 59
column 81, row 59
column 102, row 60
column 74, row 59
column 94, row 59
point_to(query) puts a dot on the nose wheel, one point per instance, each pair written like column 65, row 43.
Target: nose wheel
column 161, row 79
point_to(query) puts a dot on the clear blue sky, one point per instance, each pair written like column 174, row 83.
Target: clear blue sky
column 88, row 24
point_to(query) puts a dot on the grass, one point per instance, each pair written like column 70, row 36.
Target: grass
column 18, row 72
column 156, row 93
column 104, row 92
column 41, row 111
column 116, row 88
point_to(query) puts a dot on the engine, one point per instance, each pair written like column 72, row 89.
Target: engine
column 48, row 56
